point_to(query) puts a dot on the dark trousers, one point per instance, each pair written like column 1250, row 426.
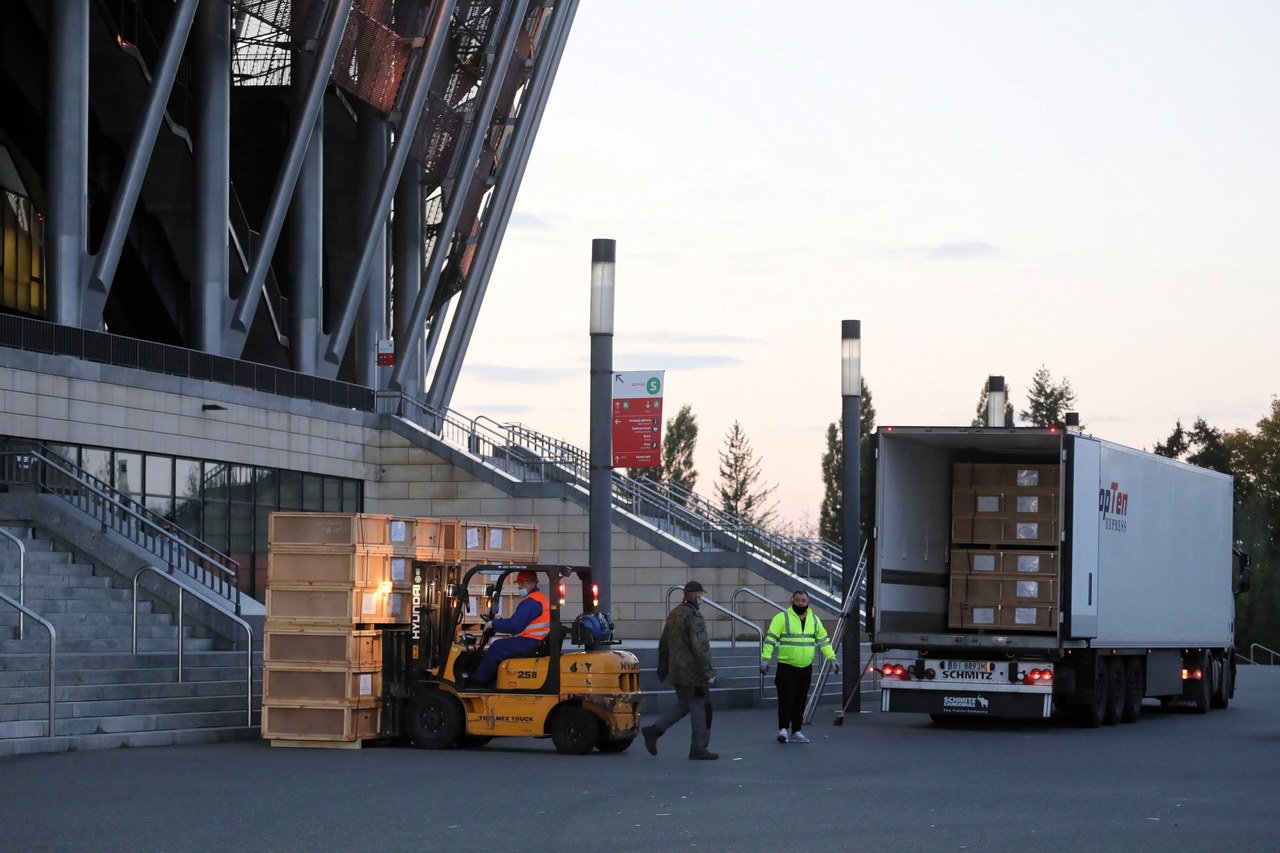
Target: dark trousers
column 696, row 702
column 793, row 689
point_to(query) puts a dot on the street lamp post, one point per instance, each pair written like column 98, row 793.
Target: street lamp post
column 850, row 457
column 599, row 545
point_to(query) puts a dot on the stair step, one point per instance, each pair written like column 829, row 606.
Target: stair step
column 80, row 631
column 47, row 581
column 114, row 604
column 35, row 744
column 114, row 708
column 79, row 726
column 115, row 691
column 39, row 678
column 33, row 645
column 68, row 660
column 91, row 618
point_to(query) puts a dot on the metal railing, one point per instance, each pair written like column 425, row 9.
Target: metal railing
column 22, row 582
column 218, row 605
column 1272, row 654
column 53, row 653
column 525, row 454
column 37, row 465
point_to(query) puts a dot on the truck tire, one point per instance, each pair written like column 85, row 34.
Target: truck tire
column 1225, row 683
column 1202, row 690
column 1133, row 690
column 574, row 730
column 1094, row 711
column 435, row 721
column 1115, row 690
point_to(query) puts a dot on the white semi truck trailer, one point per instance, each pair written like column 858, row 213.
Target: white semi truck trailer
column 1021, row 571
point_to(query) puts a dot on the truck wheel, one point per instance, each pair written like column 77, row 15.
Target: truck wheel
column 1133, row 690
column 612, row 746
column 574, row 730
column 1115, row 690
column 1225, row 681
column 1202, row 690
column 435, row 721
column 1094, row 712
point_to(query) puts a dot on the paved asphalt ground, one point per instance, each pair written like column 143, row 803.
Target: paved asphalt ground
column 1172, row 782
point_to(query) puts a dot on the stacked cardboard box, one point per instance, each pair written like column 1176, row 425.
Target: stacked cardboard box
column 333, row 580
column 1004, row 551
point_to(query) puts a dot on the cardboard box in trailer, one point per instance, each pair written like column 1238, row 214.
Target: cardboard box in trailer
column 1019, row 571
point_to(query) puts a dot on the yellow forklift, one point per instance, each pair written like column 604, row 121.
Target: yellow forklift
column 583, row 699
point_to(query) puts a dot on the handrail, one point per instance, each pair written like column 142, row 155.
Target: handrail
column 53, row 652
column 727, row 612
column 733, row 601
column 1272, row 652
column 195, row 558
column 22, row 581
column 220, row 606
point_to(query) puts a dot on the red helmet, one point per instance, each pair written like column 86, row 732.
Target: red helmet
column 526, row 577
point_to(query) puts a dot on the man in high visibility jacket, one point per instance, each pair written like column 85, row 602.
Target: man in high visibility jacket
column 795, row 633
column 529, row 626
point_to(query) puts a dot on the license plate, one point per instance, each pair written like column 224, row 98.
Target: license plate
column 967, row 666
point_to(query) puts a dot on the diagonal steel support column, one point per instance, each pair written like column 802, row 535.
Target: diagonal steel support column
column 496, row 64
column 135, row 169
column 437, row 37
column 67, row 158
column 407, row 246
column 463, row 324
column 335, row 22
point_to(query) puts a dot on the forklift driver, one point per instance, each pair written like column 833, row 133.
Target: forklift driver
column 529, row 626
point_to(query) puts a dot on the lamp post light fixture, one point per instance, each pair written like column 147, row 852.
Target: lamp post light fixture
column 851, row 510
column 600, row 486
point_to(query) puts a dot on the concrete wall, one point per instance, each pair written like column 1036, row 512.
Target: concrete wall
column 59, row 399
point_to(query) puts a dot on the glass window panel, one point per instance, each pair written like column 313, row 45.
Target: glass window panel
column 267, row 488
column 69, row 452
column 214, row 524
column 312, row 497
column 332, row 494
column 186, row 478
column 97, row 462
column 291, row 491
column 128, row 473
column 351, row 496
column 162, row 506
column 159, row 481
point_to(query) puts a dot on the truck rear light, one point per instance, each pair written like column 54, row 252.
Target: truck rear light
column 930, row 674
column 895, row 670
column 1038, row 676
column 1192, row 674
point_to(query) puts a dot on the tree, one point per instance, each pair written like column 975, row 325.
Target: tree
column 739, row 474
column 679, row 440
column 1176, row 446
column 980, row 420
column 831, row 514
column 1048, row 402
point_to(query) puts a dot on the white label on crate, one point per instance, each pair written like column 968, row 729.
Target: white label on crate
column 1028, row 477
column 1024, row 616
column 1028, row 562
column 473, row 537
column 1028, row 530
column 397, row 530
column 366, row 684
column 495, row 538
column 1028, row 589
column 984, row 615
column 988, row 503
column 369, row 603
column 397, row 568
column 1028, row 503
column 984, row 562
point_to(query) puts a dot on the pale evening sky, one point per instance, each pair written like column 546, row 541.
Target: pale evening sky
column 987, row 186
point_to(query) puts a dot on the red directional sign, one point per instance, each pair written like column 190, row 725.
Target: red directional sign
column 637, row 419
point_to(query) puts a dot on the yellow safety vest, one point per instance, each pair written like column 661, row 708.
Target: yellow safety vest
column 796, row 640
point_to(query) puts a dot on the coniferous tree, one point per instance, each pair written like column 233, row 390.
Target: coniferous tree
column 831, row 514
column 677, row 450
column 1048, row 402
column 739, row 475
column 984, row 400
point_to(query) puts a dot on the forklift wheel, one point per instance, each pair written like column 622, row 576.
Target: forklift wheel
column 606, row 745
column 574, row 730
column 435, row 721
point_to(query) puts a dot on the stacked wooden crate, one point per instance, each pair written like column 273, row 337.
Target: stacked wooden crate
column 333, row 581
column 1004, row 547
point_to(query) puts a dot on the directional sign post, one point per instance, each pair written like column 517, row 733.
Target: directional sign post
column 636, row 424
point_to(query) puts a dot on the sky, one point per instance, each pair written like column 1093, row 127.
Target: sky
column 989, row 187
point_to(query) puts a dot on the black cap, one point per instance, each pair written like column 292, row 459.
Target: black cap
column 693, row 586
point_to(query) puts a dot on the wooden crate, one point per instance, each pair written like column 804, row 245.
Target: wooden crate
column 1003, row 617
column 337, row 721
column 1004, row 474
column 989, row 560
column 338, row 603
column 358, row 564
column 489, row 542
column 1023, row 530
column 289, row 642
column 310, row 682
column 326, row 528
column 1008, row 501
column 982, row 588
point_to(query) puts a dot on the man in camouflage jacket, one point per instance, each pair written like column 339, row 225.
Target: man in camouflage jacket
column 684, row 655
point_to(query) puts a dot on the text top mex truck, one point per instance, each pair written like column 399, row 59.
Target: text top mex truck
column 1019, row 571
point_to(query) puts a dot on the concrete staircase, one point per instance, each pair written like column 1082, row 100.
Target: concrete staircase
column 105, row 695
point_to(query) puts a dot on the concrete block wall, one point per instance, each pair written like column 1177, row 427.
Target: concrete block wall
column 59, row 399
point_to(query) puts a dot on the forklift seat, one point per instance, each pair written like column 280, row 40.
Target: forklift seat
column 559, row 632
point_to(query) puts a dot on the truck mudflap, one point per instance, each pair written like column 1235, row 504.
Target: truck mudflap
column 960, row 701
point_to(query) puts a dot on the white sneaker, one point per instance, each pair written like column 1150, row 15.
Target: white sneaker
column 783, row 734
column 798, row 737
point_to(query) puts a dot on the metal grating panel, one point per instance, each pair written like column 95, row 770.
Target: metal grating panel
column 372, row 56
